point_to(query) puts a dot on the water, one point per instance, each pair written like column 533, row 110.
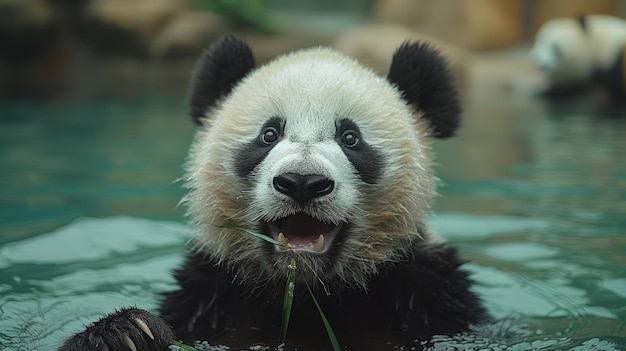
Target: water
column 89, row 219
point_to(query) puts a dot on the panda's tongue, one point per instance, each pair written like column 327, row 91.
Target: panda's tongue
column 302, row 231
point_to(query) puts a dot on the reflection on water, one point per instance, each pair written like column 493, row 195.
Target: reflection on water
column 105, row 156
column 54, row 283
column 535, row 199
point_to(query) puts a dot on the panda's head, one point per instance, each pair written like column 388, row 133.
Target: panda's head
column 317, row 152
column 563, row 50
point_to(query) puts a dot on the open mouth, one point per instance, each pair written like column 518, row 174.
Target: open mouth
column 301, row 232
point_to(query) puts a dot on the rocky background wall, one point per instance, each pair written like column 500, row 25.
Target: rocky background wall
column 46, row 45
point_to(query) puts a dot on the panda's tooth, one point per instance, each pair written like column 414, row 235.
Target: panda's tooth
column 282, row 239
column 318, row 244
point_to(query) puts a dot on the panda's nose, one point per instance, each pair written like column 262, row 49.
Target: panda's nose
column 303, row 187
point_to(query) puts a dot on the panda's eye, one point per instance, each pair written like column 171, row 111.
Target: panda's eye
column 269, row 135
column 349, row 138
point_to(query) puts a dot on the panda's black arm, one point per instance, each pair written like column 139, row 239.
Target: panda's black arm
column 429, row 293
column 207, row 301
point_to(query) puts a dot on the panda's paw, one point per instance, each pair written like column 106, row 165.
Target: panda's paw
column 126, row 329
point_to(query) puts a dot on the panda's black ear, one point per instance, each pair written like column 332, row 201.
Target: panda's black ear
column 221, row 67
column 422, row 74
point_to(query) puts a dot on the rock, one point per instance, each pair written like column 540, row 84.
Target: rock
column 545, row 10
column 473, row 24
column 148, row 28
column 374, row 45
column 34, row 59
column 139, row 16
column 432, row 18
column 187, row 33
column 28, row 28
column 493, row 24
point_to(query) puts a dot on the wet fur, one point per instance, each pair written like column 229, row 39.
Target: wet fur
column 420, row 297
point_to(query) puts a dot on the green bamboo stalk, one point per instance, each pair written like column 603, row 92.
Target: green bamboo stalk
column 288, row 301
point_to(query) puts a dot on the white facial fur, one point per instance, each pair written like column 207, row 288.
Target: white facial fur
column 311, row 90
column 322, row 157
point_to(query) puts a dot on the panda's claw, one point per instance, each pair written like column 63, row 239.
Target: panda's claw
column 129, row 328
column 129, row 342
column 144, row 327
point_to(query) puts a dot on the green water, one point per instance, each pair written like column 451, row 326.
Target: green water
column 89, row 218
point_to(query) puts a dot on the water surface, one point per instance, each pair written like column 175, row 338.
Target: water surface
column 89, row 219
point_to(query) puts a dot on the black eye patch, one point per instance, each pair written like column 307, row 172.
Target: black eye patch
column 364, row 157
column 253, row 153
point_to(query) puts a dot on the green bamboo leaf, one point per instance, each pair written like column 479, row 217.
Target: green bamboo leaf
column 288, row 301
column 183, row 347
column 258, row 235
column 329, row 329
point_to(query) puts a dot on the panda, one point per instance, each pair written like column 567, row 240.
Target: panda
column 579, row 55
column 333, row 163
